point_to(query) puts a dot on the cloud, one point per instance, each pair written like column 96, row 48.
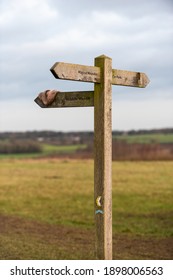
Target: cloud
column 132, row 9
column 16, row 12
column 37, row 33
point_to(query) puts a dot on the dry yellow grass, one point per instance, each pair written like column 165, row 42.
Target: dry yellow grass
column 60, row 193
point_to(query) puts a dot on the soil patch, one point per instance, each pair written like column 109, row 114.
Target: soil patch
column 125, row 246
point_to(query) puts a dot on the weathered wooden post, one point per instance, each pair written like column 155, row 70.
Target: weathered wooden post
column 103, row 158
column 103, row 76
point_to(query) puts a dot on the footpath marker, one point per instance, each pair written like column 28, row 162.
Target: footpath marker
column 103, row 77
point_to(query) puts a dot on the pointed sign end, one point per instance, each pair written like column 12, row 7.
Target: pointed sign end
column 46, row 98
column 53, row 70
column 144, row 80
column 39, row 102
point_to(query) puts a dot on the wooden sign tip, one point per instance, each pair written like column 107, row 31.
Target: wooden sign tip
column 143, row 80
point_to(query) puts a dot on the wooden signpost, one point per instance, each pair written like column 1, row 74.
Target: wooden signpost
column 103, row 77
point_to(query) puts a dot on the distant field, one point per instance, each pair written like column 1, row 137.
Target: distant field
column 46, row 209
column 47, row 150
column 164, row 152
column 147, row 138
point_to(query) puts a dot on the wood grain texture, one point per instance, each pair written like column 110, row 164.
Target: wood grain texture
column 103, row 159
column 83, row 73
column 76, row 72
column 129, row 78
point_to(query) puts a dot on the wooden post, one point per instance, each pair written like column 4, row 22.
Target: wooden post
column 103, row 158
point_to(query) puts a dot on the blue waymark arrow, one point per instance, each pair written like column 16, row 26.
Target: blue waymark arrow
column 99, row 211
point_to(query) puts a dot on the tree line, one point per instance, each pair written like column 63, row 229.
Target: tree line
column 31, row 142
column 19, row 147
column 73, row 137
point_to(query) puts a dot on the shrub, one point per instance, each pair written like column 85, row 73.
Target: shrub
column 19, row 147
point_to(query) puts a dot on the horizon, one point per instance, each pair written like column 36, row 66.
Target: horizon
column 90, row 131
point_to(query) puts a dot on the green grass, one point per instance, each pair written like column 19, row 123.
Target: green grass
column 65, row 188
column 33, row 184
column 60, row 193
column 146, row 138
column 47, row 150
column 143, row 198
column 51, row 149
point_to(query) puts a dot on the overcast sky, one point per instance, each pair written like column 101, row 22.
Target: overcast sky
column 34, row 34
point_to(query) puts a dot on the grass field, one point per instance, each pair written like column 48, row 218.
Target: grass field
column 160, row 138
column 46, row 150
column 50, row 149
column 46, row 209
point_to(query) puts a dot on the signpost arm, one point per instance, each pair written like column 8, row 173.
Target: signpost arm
column 103, row 158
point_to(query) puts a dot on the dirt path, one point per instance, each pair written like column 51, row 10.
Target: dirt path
column 73, row 239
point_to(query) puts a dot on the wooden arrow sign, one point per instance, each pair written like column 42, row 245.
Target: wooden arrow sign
column 83, row 73
column 129, row 78
column 76, row 72
column 57, row 99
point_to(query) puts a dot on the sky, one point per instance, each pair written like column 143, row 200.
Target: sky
column 34, row 34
